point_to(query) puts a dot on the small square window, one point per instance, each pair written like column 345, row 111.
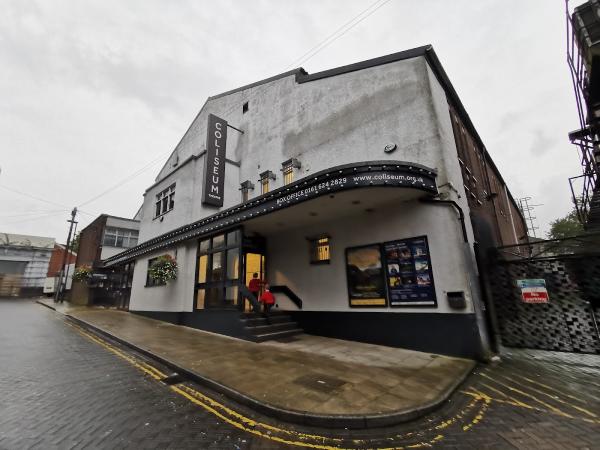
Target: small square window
column 265, row 179
column 246, row 187
column 319, row 250
column 264, row 186
column 245, row 108
column 287, row 168
column 288, row 175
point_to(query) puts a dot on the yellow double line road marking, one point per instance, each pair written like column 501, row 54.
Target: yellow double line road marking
column 287, row 436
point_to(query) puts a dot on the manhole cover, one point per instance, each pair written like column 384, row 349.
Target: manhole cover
column 319, row 382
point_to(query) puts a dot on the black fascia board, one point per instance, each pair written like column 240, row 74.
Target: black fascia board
column 164, row 239
column 387, row 59
column 296, row 72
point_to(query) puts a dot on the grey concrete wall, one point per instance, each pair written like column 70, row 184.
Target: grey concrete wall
column 177, row 295
column 323, row 123
column 324, row 287
column 188, row 194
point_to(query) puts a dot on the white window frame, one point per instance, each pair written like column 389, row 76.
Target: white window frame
column 112, row 235
column 165, row 201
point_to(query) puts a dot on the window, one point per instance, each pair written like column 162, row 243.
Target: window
column 246, row 187
column 165, row 201
column 265, row 179
column 245, row 108
column 149, row 281
column 319, row 250
column 288, row 175
column 218, row 271
column 264, row 185
column 287, row 168
column 118, row 237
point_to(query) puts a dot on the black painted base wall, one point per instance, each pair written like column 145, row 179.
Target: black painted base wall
column 447, row 334
column 225, row 322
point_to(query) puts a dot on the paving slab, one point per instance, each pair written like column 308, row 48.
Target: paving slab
column 312, row 379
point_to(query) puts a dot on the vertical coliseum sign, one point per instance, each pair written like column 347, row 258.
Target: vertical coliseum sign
column 214, row 166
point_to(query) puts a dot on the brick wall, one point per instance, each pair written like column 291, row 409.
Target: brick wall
column 496, row 218
column 90, row 241
column 57, row 258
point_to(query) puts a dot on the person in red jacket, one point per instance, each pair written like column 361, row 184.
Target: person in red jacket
column 254, row 286
column 268, row 300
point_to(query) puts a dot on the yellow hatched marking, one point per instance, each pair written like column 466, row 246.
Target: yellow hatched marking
column 525, row 394
column 561, row 401
column 514, row 400
column 579, row 408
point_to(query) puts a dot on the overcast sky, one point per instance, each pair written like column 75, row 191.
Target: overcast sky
column 93, row 91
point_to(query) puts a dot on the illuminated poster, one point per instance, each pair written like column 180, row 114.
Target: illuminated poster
column 408, row 273
column 366, row 285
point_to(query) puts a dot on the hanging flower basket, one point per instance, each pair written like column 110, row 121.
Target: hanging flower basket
column 82, row 273
column 163, row 269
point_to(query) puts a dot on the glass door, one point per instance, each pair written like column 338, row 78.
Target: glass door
column 218, row 271
column 253, row 263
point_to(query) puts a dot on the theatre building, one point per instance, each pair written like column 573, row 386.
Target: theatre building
column 362, row 194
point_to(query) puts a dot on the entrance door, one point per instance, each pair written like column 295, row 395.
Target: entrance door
column 218, row 271
column 253, row 263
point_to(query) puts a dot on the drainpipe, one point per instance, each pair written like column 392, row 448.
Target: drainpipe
column 481, row 314
column 461, row 214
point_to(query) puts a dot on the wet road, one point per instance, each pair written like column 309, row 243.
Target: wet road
column 64, row 387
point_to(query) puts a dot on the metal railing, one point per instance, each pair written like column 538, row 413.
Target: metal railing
column 584, row 244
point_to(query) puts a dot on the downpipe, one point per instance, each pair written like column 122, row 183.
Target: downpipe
column 486, row 353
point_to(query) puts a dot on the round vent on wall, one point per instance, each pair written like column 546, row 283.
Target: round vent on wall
column 390, row 148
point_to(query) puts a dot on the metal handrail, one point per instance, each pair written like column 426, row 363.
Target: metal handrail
column 584, row 243
column 250, row 296
column 283, row 289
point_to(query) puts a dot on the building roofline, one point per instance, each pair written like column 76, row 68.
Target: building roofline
column 298, row 72
column 425, row 51
column 121, row 218
column 106, row 216
column 443, row 79
column 305, row 77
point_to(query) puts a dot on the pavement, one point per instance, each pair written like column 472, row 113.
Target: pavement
column 309, row 379
column 65, row 387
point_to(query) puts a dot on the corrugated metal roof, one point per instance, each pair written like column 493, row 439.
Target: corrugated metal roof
column 24, row 240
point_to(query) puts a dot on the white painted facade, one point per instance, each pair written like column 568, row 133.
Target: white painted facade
column 323, row 122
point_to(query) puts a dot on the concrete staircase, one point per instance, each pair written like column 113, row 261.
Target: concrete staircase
column 282, row 326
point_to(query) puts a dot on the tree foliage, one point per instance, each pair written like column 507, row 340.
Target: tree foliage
column 75, row 243
column 567, row 226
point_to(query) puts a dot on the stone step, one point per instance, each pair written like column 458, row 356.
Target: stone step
column 277, row 335
column 259, row 320
column 272, row 328
column 251, row 315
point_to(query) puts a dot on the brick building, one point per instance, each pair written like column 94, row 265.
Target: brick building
column 106, row 236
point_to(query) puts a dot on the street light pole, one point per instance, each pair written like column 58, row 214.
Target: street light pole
column 62, row 280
